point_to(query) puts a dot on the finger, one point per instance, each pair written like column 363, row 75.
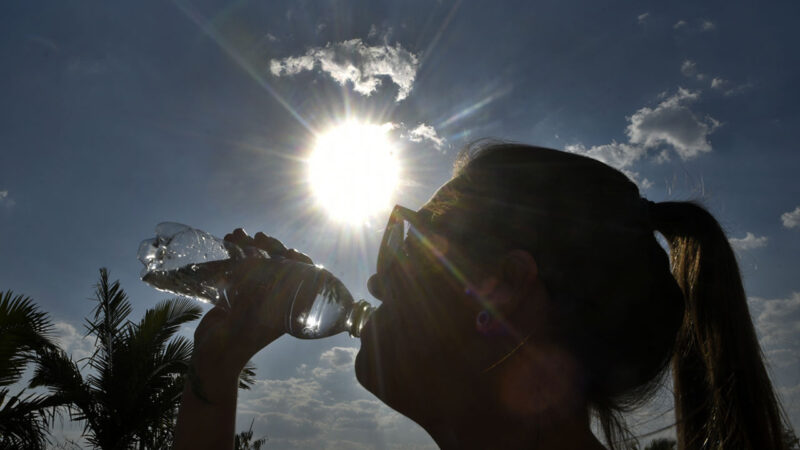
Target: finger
column 237, row 235
column 241, row 239
column 273, row 246
column 297, row 256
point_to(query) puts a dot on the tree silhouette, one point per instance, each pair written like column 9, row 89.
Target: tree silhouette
column 243, row 440
column 24, row 334
column 130, row 396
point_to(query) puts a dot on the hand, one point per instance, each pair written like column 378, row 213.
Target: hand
column 254, row 314
column 272, row 246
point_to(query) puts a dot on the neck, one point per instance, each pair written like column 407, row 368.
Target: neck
column 494, row 431
column 530, row 401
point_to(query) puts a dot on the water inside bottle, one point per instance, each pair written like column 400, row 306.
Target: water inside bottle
column 204, row 282
column 320, row 305
column 324, row 312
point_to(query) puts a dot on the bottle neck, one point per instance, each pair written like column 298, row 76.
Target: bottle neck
column 358, row 317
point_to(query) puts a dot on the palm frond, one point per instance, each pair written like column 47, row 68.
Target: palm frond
column 132, row 394
column 23, row 420
column 161, row 322
column 24, row 331
column 110, row 313
column 247, row 376
column 55, row 371
column 244, row 440
column 174, row 359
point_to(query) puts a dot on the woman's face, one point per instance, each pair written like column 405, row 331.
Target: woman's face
column 420, row 350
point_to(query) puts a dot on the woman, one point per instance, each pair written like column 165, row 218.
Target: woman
column 530, row 294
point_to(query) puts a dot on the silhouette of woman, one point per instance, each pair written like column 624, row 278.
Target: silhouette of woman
column 527, row 296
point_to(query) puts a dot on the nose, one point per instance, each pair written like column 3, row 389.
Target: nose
column 375, row 287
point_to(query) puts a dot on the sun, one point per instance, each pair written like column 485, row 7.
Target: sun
column 353, row 170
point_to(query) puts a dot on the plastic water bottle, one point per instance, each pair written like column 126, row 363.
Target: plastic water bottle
column 189, row 262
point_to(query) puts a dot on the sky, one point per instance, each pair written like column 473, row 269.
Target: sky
column 117, row 116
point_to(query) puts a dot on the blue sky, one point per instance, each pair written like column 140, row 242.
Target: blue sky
column 118, row 116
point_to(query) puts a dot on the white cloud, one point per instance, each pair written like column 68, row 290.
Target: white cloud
column 708, row 25
column 642, row 17
column 421, row 133
column 738, row 89
column 749, row 242
column 271, row 37
column 671, row 124
column 791, row 401
column 674, row 124
column 791, row 219
column 688, row 68
column 72, row 342
column 324, row 407
column 778, row 325
column 5, row 200
column 662, row 157
column 618, row 155
column 425, row 132
column 679, row 24
column 354, row 62
column 614, row 154
column 335, row 360
column 291, row 65
column 339, row 357
column 722, row 85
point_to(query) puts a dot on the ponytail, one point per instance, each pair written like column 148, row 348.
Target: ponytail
column 723, row 396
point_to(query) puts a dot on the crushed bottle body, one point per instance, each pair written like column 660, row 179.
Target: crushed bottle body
column 192, row 263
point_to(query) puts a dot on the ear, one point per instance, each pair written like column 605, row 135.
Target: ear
column 520, row 271
column 514, row 281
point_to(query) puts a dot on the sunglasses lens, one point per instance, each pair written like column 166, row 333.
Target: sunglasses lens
column 396, row 236
column 392, row 244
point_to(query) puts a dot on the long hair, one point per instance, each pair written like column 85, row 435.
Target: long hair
column 626, row 309
column 723, row 394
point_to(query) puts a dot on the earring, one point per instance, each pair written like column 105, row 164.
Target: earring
column 484, row 321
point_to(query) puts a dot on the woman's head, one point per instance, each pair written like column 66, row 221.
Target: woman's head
column 585, row 224
column 571, row 242
column 615, row 304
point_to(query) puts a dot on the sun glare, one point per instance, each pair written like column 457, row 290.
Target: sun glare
column 353, row 171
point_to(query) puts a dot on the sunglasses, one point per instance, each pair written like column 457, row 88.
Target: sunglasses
column 403, row 222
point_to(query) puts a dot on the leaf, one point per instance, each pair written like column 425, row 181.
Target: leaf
column 131, row 395
column 24, row 331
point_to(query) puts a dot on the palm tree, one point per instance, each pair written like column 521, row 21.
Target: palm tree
column 130, row 396
column 244, row 440
column 24, row 334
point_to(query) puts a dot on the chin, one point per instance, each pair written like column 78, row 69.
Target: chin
column 376, row 368
column 369, row 372
column 401, row 390
column 392, row 366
